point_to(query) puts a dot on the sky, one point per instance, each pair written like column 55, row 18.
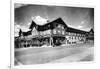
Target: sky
column 77, row 17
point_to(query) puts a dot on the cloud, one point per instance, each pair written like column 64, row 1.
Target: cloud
column 39, row 20
column 28, row 24
column 18, row 27
column 16, row 30
column 24, row 28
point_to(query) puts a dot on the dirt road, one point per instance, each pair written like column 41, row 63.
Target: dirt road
column 54, row 54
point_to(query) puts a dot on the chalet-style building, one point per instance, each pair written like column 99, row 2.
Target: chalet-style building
column 55, row 33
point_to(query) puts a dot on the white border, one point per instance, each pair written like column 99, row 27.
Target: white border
column 41, row 3
column 55, row 3
column 12, row 34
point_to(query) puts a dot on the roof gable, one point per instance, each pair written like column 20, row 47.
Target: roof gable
column 49, row 25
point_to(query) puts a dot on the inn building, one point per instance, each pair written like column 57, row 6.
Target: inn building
column 55, row 33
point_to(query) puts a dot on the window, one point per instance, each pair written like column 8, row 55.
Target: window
column 54, row 31
column 72, row 38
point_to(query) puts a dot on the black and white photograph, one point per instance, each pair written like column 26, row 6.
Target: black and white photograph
column 46, row 34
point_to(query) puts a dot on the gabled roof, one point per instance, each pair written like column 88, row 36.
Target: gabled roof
column 49, row 25
column 59, row 21
column 92, row 31
column 73, row 30
column 54, row 24
column 33, row 24
column 20, row 31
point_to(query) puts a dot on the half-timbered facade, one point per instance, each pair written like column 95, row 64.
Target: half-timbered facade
column 55, row 33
